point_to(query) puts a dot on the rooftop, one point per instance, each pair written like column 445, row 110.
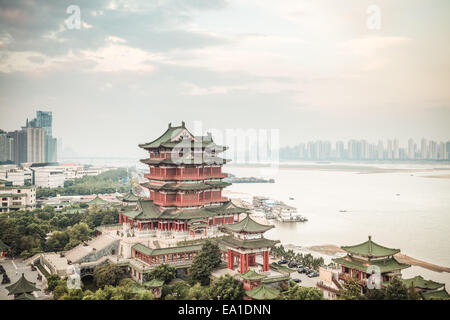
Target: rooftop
column 385, row 265
column 21, row 286
column 248, row 225
column 370, row 249
column 263, row 292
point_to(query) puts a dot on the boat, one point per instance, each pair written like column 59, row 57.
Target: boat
column 291, row 198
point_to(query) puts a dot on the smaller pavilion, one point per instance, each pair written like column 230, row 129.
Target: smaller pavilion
column 441, row 294
column 363, row 259
column 262, row 292
column 22, row 289
column 130, row 199
column 420, row 284
column 155, row 286
column 245, row 243
column 252, row 279
column 97, row 201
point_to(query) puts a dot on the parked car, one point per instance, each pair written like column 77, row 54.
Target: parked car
column 282, row 262
column 296, row 280
column 313, row 274
column 292, row 264
column 300, row 270
column 300, row 266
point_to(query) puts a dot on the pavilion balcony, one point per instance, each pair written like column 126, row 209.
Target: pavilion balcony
column 178, row 177
column 345, row 276
column 188, row 203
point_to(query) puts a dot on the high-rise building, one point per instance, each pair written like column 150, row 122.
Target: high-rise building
column 44, row 120
column 411, row 149
column 396, row 150
column 6, row 147
column 423, row 149
column 19, row 146
column 447, row 149
column 389, row 150
column 380, row 150
column 36, row 145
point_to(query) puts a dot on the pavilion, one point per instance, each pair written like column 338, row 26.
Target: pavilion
column 22, row 289
column 262, row 292
column 362, row 260
column 245, row 243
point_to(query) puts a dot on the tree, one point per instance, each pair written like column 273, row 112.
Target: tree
column 107, row 274
column 179, row 290
column 207, row 259
column 412, row 293
column 396, row 290
column 297, row 292
column 227, row 288
column 351, row 290
column 59, row 291
column 163, row 272
column 197, row 292
column 375, row 294
column 52, row 281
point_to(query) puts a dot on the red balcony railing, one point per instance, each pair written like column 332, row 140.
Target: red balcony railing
column 185, row 176
column 188, row 203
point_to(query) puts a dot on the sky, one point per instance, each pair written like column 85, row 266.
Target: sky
column 312, row 69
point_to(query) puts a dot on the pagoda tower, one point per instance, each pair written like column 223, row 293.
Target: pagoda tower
column 185, row 183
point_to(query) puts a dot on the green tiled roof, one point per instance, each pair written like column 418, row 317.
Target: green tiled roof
column 21, row 286
column 276, row 279
column 129, row 197
column 185, row 160
column 25, row 296
column 165, row 140
column 439, row 294
column 385, row 265
column 3, row 246
column 98, row 201
column 370, row 249
column 263, row 292
column 230, row 241
column 154, row 283
column 148, row 210
column 248, row 225
column 420, row 282
column 160, row 251
column 252, row 275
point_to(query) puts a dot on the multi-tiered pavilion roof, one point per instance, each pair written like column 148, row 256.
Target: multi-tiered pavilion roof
column 185, row 183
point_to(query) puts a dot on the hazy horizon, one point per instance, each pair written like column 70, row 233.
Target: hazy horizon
column 314, row 70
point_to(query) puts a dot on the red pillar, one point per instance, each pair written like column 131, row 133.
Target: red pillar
column 246, row 262
column 120, row 218
column 241, row 260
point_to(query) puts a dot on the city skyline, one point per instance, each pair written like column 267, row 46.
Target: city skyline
column 313, row 70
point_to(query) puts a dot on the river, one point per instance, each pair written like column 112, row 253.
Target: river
column 401, row 210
